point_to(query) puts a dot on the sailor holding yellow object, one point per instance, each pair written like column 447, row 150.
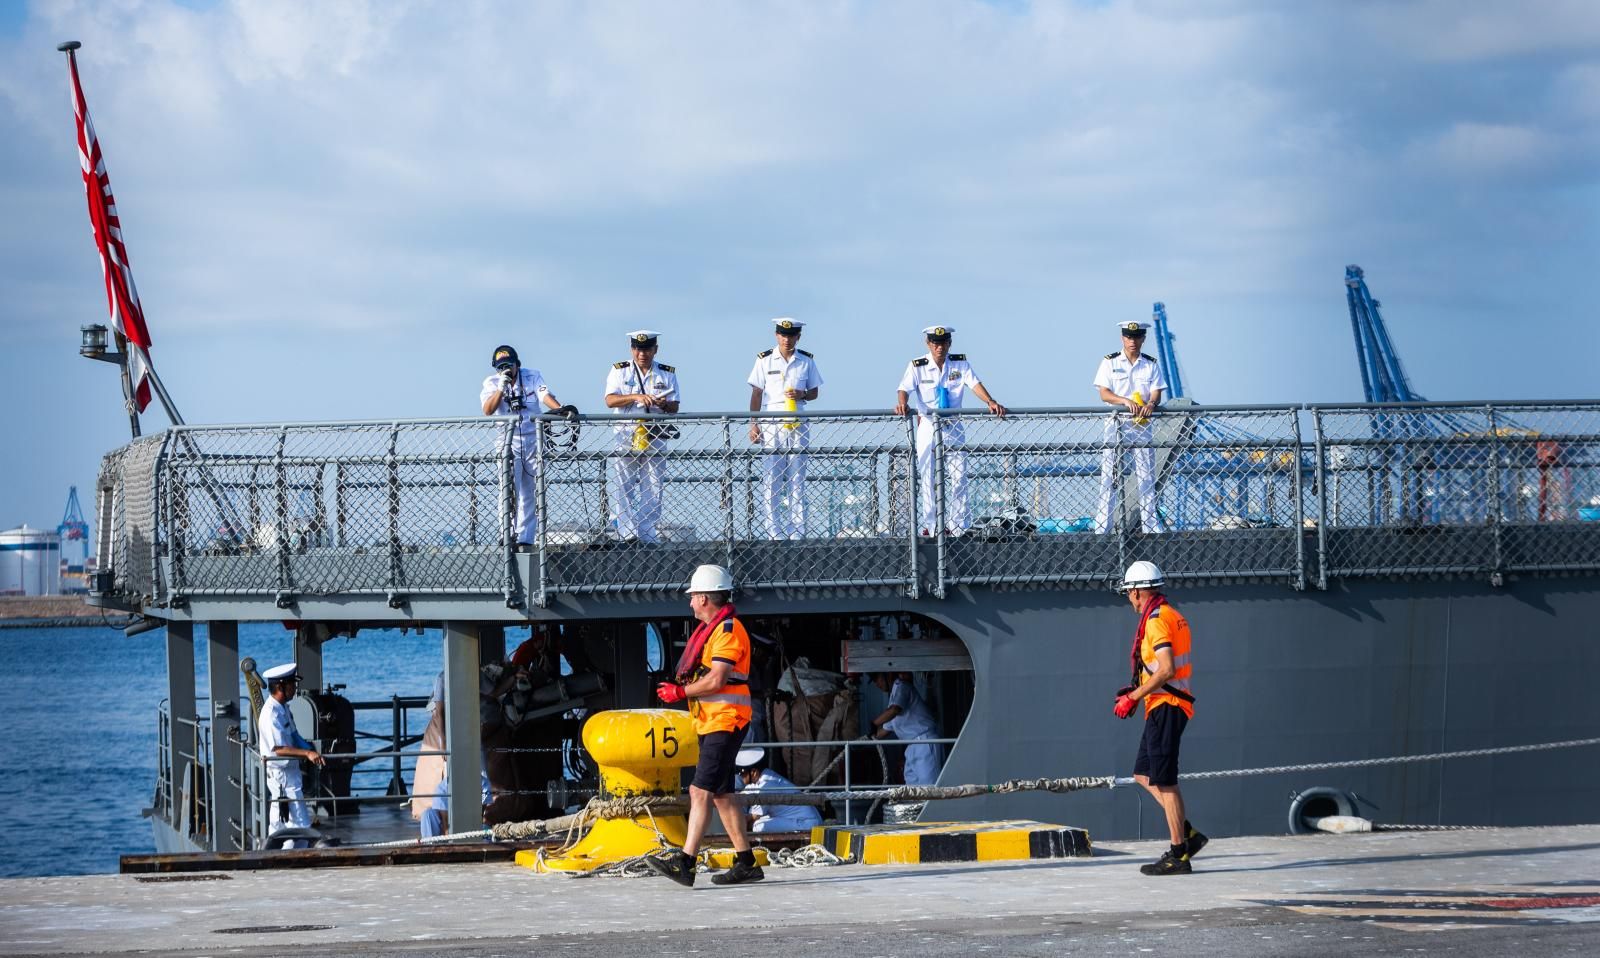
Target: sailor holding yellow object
column 783, row 379
column 1131, row 383
column 940, row 379
column 641, row 385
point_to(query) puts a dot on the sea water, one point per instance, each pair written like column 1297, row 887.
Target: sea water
column 78, row 728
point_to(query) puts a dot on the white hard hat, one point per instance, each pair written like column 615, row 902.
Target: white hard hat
column 1142, row 575
column 710, row 578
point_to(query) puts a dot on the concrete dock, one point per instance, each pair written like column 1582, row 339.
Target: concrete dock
column 1535, row 891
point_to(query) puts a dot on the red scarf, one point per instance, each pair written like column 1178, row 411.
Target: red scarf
column 697, row 643
column 1150, row 608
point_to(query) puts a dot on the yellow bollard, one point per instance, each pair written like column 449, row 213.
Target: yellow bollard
column 639, row 752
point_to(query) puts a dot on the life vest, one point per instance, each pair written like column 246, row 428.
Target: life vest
column 723, row 638
column 1174, row 633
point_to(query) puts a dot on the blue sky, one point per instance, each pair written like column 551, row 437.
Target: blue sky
column 336, row 210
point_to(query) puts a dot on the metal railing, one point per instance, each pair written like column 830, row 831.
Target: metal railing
column 1295, row 494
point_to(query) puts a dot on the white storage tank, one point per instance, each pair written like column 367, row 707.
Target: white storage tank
column 30, row 562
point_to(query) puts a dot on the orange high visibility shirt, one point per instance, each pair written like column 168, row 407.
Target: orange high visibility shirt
column 1167, row 629
column 729, row 709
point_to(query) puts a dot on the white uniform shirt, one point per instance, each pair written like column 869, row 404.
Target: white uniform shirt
column 922, row 380
column 534, row 391
column 659, row 381
column 780, row 818
column 915, row 720
column 773, row 375
column 1124, row 378
column 275, row 729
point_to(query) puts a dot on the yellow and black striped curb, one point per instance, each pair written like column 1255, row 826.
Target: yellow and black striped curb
column 952, row 842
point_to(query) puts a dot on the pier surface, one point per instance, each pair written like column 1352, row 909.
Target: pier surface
column 1482, row 892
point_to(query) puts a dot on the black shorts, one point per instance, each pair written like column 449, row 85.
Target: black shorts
column 714, row 771
column 1158, row 749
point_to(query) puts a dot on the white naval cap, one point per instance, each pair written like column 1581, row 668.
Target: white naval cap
column 784, row 324
column 749, row 757
column 939, row 333
column 280, row 672
column 1133, row 329
column 642, row 337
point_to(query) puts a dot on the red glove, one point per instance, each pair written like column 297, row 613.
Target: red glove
column 1124, row 706
column 670, row 693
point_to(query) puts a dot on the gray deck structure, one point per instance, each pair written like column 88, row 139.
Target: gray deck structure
column 1363, row 580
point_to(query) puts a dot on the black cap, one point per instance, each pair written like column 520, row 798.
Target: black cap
column 504, row 356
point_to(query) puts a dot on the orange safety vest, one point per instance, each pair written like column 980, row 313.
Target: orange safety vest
column 1164, row 627
column 729, row 709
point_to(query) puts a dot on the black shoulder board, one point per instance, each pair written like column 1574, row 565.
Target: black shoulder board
column 620, row 366
column 803, row 353
column 920, row 362
column 960, row 357
column 727, row 625
column 665, row 368
column 1147, row 356
column 1112, row 355
column 764, row 354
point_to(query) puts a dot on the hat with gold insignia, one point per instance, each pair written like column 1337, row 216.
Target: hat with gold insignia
column 787, row 324
column 643, row 338
column 939, row 334
column 1133, row 330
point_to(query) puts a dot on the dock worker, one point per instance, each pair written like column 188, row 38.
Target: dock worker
column 633, row 386
column 276, row 737
column 908, row 717
column 1161, row 680
column 939, row 379
column 756, row 777
column 784, row 378
column 1132, row 384
column 713, row 676
column 515, row 390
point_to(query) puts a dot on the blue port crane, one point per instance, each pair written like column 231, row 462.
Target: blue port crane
column 1383, row 379
column 74, row 529
column 1167, row 354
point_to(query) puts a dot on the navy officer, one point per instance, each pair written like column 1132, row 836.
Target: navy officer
column 939, row 380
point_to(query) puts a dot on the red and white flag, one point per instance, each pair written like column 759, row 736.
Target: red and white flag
column 127, row 317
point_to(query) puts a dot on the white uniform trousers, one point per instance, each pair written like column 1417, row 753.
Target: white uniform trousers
column 288, row 796
column 955, row 478
column 636, row 494
column 525, row 483
column 1123, row 436
column 783, row 479
column 922, row 764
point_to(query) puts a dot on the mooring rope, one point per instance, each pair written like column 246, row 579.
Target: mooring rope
column 633, row 806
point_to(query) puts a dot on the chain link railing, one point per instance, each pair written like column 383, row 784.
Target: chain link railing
column 849, row 500
column 1459, row 489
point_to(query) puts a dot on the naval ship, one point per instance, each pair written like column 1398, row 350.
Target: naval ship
column 1362, row 580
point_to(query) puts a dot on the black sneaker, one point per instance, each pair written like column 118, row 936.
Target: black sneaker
column 674, row 865
column 1167, row 864
column 739, row 874
column 1194, row 843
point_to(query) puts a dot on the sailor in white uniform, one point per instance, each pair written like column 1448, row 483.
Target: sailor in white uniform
column 755, row 776
column 907, row 717
column 515, row 390
column 639, row 385
column 277, row 737
column 940, row 380
column 783, row 379
column 1132, row 384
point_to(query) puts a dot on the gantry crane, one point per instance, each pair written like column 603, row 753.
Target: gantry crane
column 1383, row 379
